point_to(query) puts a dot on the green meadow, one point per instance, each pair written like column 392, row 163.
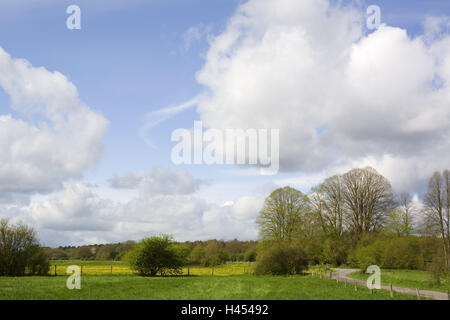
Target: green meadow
column 409, row 278
column 239, row 287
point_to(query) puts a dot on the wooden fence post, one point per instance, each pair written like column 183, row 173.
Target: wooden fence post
column 81, row 270
column 55, row 269
column 189, row 271
column 418, row 294
column 111, row 269
column 391, row 292
column 356, row 288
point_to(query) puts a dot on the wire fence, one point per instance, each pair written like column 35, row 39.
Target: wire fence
column 122, row 269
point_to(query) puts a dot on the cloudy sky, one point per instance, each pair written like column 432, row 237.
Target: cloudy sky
column 86, row 116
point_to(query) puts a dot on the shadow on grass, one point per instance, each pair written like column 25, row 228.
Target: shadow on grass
column 167, row 276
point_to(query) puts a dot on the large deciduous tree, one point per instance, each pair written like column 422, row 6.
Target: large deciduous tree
column 282, row 214
column 368, row 198
column 358, row 201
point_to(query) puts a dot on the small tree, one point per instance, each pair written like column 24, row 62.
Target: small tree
column 399, row 223
column 250, row 255
column 437, row 204
column 157, row 255
column 214, row 253
column 20, row 253
column 197, row 255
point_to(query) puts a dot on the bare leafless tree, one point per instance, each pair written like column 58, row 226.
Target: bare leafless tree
column 328, row 205
column 437, row 209
column 446, row 177
column 368, row 198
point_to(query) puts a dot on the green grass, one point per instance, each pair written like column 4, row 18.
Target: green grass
column 407, row 278
column 242, row 287
column 230, row 281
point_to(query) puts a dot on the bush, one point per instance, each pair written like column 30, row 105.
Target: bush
column 281, row 259
column 157, row 255
column 20, row 253
column 335, row 250
column 389, row 253
column 403, row 253
column 437, row 270
column 364, row 257
column 250, row 255
column 38, row 262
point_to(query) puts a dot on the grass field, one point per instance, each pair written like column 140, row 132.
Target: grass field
column 243, row 287
column 407, row 278
column 115, row 280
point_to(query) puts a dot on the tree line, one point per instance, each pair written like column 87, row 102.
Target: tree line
column 357, row 219
column 202, row 253
column 21, row 253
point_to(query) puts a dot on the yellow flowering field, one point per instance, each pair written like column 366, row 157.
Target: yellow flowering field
column 122, row 268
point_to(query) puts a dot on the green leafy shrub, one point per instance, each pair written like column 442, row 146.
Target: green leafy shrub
column 38, row 262
column 388, row 253
column 281, row 258
column 438, row 270
column 157, row 255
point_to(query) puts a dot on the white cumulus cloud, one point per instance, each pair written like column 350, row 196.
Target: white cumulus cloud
column 77, row 214
column 75, row 208
column 56, row 138
column 159, row 181
column 338, row 94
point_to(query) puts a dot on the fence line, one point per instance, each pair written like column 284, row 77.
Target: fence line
column 122, row 269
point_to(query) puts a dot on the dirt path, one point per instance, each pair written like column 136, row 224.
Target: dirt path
column 342, row 275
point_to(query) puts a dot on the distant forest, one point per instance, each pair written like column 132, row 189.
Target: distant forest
column 202, row 252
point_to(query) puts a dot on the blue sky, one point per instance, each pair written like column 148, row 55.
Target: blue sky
column 125, row 62
column 134, row 57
